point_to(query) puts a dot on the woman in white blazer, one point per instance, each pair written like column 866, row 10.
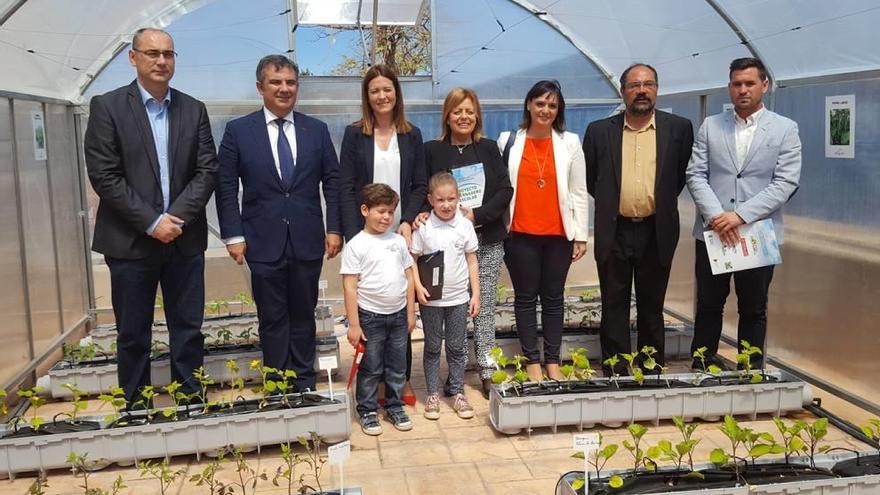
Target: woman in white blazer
column 547, row 220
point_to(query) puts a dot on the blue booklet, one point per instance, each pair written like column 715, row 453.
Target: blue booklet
column 471, row 184
column 757, row 246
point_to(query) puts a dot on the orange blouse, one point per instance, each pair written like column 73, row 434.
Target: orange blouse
column 536, row 210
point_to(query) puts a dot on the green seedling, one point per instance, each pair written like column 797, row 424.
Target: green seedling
column 744, row 360
column 248, row 477
column 500, row 376
column 116, row 400
column 212, row 307
column 80, row 353
column 246, row 335
column 636, row 431
column 815, row 432
column 160, row 301
column 4, row 409
column 612, row 363
column 224, row 336
column 81, row 467
column 687, row 438
column 177, row 397
column 244, row 299
column 590, row 295
column 32, row 395
column 148, row 393
column 205, row 381
column 39, row 485
column 701, row 355
column 162, row 472
column 870, row 430
column 313, row 459
column 650, row 363
column 634, row 371
column 581, row 363
column 157, row 348
column 287, row 471
column 500, row 293
column 598, row 459
column 760, row 443
column 737, row 437
column 792, row 443
column 77, row 404
column 208, row 476
column 236, row 382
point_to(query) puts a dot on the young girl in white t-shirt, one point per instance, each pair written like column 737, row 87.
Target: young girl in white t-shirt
column 448, row 231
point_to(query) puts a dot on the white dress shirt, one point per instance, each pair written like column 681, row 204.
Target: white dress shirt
column 272, row 129
column 386, row 170
column 745, row 133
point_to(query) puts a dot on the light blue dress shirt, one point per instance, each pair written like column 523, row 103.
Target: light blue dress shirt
column 157, row 114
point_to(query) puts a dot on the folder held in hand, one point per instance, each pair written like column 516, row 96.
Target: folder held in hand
column 431, row 274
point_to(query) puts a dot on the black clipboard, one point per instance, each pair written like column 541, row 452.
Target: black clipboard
column 431, row 274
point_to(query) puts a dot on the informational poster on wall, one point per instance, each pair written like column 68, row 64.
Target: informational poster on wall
column 39, row 135
column 840, row 119
column 757, row 246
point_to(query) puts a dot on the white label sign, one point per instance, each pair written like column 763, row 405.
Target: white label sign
column 339, row 453
column 327, row 363
column 586, row 442
column 322, row 284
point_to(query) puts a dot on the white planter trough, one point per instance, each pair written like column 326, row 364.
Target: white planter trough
column 332, row 422
column 614, row 407
column 855, row 485
column 678, row 344
column 99, row 379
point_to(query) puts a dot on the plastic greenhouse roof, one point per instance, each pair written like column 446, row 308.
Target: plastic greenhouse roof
column 54, row 49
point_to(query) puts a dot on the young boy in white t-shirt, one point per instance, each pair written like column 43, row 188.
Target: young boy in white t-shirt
column 380, row 305
column 447, row 230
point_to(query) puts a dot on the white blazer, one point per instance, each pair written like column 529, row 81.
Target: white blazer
column 571, row 179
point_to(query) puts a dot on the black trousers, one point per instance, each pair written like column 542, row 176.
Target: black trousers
column 133, row 285
column 286, row 292
column 538, row 266
column 752, row 287
column 633, row 259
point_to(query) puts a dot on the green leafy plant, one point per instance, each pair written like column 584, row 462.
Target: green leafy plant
column 236, row 382
column 39, row 485
column 244, row 299
column 792, row 443
column 267, row 387
column 162, row 472
column 148, row 393
column 177, row 397
column 701, row 355
column 4, row 409
column 205, row 381
column 612, row 363
column 636, row 432
column 224, row 337
column 815, row 432
column 871, row 430
column 160, row 301
column 212, row 307
column 81, row 467
column 80, row 353
column 688, row 442
column 313, row 459
column 500, row 376
column 589, row 295
column 208, row 476
column 248, row 477
column 650, row 362
column 760, row 443
column 744, row 360
column 737, row 436
column 598, row 459
column 115, row 398
column 32, row 395
column 157, row 348
column 287, row 471
column 500, row 293
column 77, row 404
column 246, row 335
column 634, row 370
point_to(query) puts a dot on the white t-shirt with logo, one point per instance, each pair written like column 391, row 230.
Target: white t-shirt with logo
column 455, row 238
column 380, row 262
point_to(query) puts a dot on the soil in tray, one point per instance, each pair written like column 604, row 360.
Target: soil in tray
column 675, row 481
column 531, row 389
column 53, row 428
column 863, row 466
column 212, row 351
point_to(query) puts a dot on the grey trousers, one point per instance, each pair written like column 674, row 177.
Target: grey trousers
column 489, row 258
column 449, row 322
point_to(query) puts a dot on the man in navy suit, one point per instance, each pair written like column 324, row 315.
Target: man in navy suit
column 283, row 158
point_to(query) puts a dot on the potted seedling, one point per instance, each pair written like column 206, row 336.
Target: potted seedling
column 161, row 472
column 178, row 398
column 244, row 299
column 205, row 381
column 35, row 401
column 39, row 485
column 73, row 422
column 612, row 363
column 688, row 442
column 116, row 400
column 208, row 476
column 598, row 458
column 744, row 361
column 236, row 382
column 4, row 409
column 146, row 402
column 287, row 471
column 248, row 477
column 636, row 432
column 81, row 467
column 313, row 459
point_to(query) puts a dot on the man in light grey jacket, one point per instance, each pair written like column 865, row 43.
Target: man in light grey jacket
column 745, row 166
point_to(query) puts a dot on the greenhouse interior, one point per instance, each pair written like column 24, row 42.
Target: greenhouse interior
column 158, row 275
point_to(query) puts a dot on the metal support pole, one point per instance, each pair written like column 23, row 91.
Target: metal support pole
column 292, row 22
column 375, row 31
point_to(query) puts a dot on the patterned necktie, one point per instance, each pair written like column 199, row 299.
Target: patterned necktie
column 285, row 155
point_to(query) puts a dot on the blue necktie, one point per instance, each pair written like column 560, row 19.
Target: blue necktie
column 285, row 155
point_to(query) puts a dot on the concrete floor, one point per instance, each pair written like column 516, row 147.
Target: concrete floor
column 449, row 456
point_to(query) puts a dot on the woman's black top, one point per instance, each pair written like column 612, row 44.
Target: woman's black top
column 441, row 156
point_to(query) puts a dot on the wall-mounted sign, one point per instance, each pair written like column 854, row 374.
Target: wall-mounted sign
column 39, row 135
column 840, row 128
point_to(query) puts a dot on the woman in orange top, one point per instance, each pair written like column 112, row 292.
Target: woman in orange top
column 548, row 220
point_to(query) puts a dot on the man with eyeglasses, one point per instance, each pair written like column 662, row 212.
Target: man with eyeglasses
column 636, row 162
column 151, row 160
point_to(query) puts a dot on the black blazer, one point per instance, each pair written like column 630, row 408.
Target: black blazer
column 602, row 151
column 356, row 171
column 124, row 171
column 441, row 156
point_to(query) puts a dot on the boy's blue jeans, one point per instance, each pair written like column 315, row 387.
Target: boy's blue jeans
column 385, row 354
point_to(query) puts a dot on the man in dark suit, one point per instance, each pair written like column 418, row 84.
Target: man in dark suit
column 151, row 160
column 636, row 162
column 283, row 160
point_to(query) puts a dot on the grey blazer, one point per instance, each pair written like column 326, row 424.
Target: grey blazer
column 767, row 180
